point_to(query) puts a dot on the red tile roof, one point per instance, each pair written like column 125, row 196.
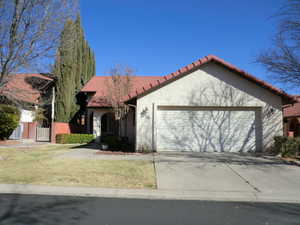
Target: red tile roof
column 292, row 110
column 195, row 65
column 143, row 85
column 19, row 87
column 98, row 85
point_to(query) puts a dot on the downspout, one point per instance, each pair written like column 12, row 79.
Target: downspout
column 52, row 104
column 52, row 136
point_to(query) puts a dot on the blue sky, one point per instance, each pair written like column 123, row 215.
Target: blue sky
column 156, row 37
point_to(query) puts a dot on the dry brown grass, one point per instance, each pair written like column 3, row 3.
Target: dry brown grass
column 39, row 166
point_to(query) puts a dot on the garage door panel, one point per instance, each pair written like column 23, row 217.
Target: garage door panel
column 206, row 130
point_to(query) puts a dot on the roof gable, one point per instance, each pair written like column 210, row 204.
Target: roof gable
column 25, row 87
column 97, row 86
column 161, row 81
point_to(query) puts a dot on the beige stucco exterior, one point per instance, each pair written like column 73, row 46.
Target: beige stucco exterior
column 127, row 125
column 210, row 86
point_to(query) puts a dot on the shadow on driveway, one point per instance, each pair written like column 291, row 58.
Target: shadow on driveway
column 230, row 158
column 233, row 172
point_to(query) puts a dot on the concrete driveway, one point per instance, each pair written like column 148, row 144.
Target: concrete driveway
column 226, row 172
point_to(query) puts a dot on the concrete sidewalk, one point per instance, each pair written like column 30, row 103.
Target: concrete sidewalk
column 150, row 194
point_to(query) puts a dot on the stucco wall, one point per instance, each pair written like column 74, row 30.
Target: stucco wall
column 59, row 128
column 127, row 126
column 97, row 115
column 212, row 85
column 27, row 116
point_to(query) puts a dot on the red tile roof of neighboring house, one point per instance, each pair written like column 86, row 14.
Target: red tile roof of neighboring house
column 98, row 85
column 20, row 88
column 292, row 110
column 144, row 85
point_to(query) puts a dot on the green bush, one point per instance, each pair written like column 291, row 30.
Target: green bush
column 113, row 142
column 9, row 120
column 287, row 146
column 116, row 143
column 291, row 147
column 145, row 149
column 278, row 143
column 74, row 138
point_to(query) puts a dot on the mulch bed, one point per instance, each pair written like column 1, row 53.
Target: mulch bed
column 9, row 142
column 101, row 152
column 295, row 161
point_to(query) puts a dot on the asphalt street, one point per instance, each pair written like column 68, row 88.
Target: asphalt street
column 58, row 210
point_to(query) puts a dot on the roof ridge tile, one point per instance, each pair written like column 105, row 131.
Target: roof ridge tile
column 230, row 66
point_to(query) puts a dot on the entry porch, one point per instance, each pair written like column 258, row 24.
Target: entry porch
column 102, row 122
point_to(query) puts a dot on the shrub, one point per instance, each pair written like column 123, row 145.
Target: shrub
column 9, row 120
column 74, row 138
column 113, row 142
column 278, row 143
column 291, row 147
column 117, row 143
column 287, row 146
column 144, row 149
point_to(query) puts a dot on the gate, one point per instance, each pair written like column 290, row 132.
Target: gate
column 17, row 133
column 42, row 134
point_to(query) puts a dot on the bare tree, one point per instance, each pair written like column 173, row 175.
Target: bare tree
column 29, row 32
column 119, row 86
column 283, row 60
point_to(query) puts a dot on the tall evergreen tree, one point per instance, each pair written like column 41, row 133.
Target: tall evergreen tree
column 79, row 51
column 85, row 60
column 74, row 66
column 64, row 70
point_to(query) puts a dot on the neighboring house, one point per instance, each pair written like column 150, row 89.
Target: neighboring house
column 291, row 115
column 28, row 92
column 209, row 105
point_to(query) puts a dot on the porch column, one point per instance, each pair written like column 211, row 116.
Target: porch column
column 97, row 124
column 88, row 122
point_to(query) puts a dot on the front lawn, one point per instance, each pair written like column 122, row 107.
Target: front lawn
column 40, row 166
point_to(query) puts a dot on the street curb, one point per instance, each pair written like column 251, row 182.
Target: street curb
column 204, row 195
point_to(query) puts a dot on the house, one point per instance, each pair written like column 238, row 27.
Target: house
column 291, row 113
column 208, row 106
column 28, row 92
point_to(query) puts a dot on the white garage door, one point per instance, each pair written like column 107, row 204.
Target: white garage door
column 206, row 130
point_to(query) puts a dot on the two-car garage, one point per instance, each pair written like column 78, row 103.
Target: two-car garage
column 210, row 106
column 208, row 129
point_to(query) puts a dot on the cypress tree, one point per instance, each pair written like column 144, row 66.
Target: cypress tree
column 79, row 51
column 64, row 70
column 93, row 64
column 74, row 66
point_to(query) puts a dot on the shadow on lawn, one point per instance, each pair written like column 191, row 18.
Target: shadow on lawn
column 91, row 145
column 122, row 147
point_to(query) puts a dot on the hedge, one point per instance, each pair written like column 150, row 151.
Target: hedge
column 74, row 138
column 9, row 120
